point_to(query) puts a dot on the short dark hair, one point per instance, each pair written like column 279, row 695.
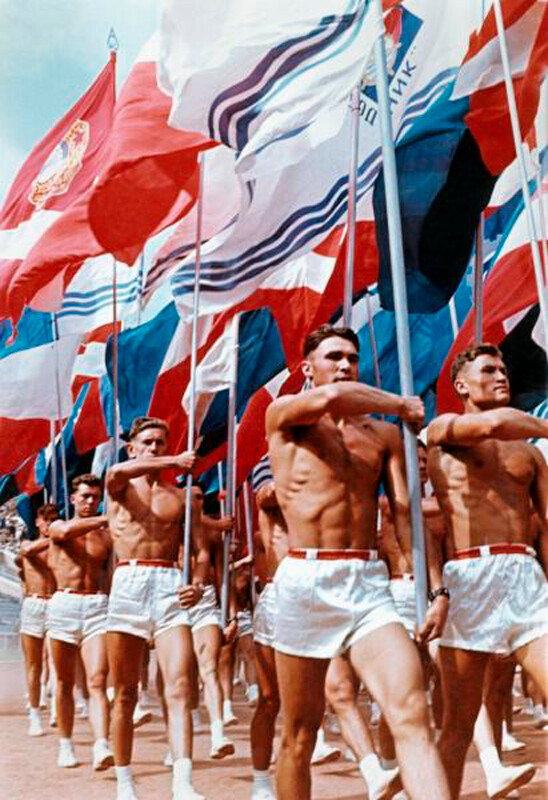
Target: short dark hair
column 47, row 510
column 420, row 443
column 88, row 478
column 326, row 331
column 142, row 423
column 470, row 354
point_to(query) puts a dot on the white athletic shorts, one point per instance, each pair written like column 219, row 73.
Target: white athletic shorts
column 75, row 618
column 324, row 607
column 265, row 615
column 245, row 623
column 498, row 603
column 206, row 611
column 144, row 601
column 403, row 592
column 34, row 612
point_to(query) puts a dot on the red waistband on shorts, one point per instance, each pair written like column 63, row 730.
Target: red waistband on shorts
column 493, row 550
column 325, row 554
column 146, row 562
column 39, row 596
column 402, row 576
column 68, row 590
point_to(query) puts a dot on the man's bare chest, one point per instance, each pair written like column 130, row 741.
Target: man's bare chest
column 506, row 465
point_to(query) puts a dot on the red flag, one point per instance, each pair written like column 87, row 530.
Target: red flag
column 58, row 171
column 148, row 180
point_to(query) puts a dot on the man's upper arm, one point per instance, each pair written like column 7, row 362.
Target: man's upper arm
column 396, row 488
column 539, row 488
column 290, row 411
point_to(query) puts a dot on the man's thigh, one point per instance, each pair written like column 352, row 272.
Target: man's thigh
column 265, row 665
column 32, row 649
column 462, row 676
column 94, row 654
column 175, row 654
column 387, row 662
column 125, row 655
column 207, row 644
column 533, row 656
column 64, row 658
column 301, row 683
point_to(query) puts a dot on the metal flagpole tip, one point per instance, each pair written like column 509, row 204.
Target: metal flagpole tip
column 112, row 41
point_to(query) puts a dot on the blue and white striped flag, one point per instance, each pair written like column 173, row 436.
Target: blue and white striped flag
column 269, row 79
column 286, row 214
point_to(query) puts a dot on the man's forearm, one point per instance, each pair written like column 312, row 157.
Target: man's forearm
column 135, row 468
column 33, row 548
column 352, row 399
column 63, row 531
column 510, row 423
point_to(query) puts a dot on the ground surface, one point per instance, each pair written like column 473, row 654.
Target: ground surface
column 28, row 770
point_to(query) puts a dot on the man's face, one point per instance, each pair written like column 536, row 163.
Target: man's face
column 335, row 359
column 149, row 443
column 43, row 523
column 484, row 382
column 86, row 500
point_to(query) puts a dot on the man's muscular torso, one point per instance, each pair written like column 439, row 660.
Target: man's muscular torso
column 327, row 477
column 38, row 577
column 145, row 520
column 80, row 563
column 484, row 491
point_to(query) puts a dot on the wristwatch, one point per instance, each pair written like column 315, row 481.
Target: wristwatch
column 443, row 591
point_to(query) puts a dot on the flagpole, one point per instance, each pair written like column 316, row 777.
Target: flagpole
column 193, row 360
column 115, row 412
column 478, row 283
column 535, row 252
column 52, row 437
column 371, row 327
column 401, row 314
column 248, row 510
column 64, row 473
column 453, row 317
column 352, row 201
column 230, row 467
column 542, row 224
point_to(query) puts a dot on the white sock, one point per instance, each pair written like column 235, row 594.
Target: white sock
column 102, row 741
column 370, row 768
column 389, row 763
column 123, row 774
column 63, row 743
column 490, row 760
column 320, row 739
column 227, row 707
column 34, row 713
column 182, row 771
column 261, row 779
column 196, row 717
column 216, row 731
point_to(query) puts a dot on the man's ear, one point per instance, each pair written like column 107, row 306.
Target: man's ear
column 461, row 387
column 306, row 367
column 130, row 450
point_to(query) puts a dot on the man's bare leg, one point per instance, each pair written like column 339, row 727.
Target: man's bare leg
column 226, row 675
column 499, row 677
column 94, row 657
column 263, row 724
column 175, row 657
column 247, row 652
column 302, row 684
column 33, row 648
column 462, row 674
column 386, row 661
column 64, row 659
column 534, row 658
column 207, row 646
column 124, row 657
column 341, row 691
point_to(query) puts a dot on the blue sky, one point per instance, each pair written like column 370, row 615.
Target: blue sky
column 51, row 50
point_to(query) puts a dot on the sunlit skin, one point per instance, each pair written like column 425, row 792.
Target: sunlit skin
column 145, row 517
column 486, row 479
column 328, row 459
column 37, row 579
column 79, row 556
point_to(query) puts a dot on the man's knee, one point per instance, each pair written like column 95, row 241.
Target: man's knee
column 125, row 696
column 97, row 680
column 268, row 702
column 340, row 694
column 299, row 741
column 408, row 714
column 65, row 687
column 178, row 689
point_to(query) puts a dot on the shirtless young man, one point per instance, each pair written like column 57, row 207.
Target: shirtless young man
column 39, row 585
column 332, row 591
column 79, row 554
column 485, row 477
column 148, row 600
